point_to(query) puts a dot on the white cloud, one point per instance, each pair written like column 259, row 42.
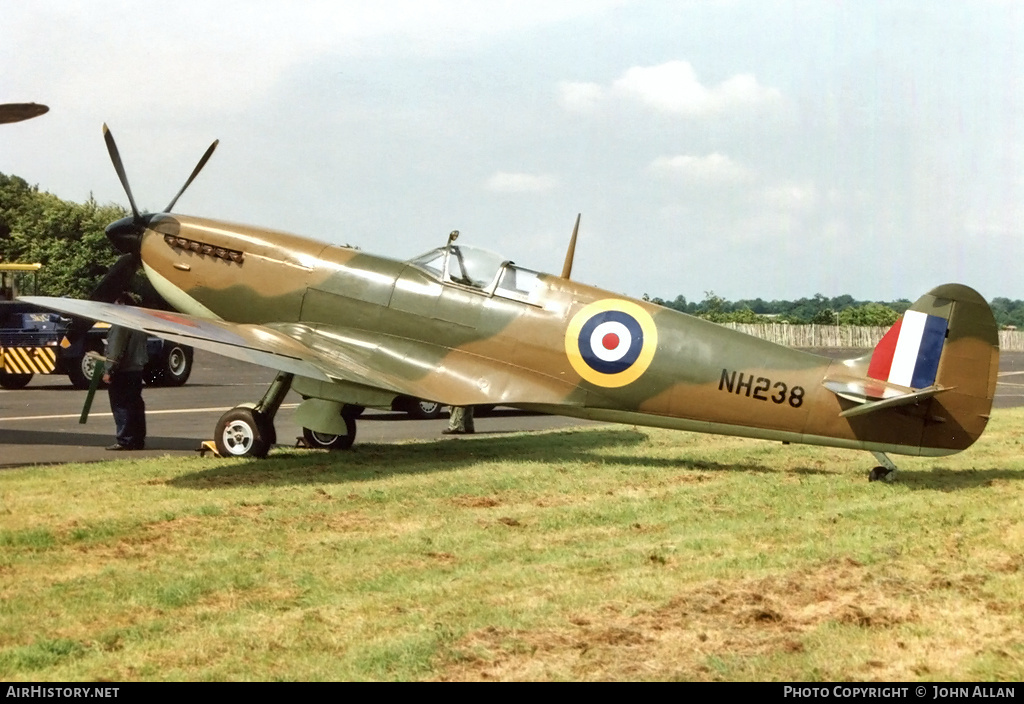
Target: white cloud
column 790, row 197
column 711, row 169
column 580, row 97
column 504, row 182
column 673, row 88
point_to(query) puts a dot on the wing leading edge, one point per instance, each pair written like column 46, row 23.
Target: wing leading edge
column 256, row 344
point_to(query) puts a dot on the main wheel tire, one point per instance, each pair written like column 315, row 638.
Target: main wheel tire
column 80, row 370
column 172, row 368
column 326, row 441
column 14, row 381
column 424, row 410
column 243, row 432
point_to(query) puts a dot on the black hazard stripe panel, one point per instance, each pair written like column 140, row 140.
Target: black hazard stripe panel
column 28, row 360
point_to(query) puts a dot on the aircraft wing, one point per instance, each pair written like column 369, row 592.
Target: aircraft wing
column 336, row 354
column 432, row 371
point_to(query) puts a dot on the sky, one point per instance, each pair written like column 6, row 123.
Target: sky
column 753, row 149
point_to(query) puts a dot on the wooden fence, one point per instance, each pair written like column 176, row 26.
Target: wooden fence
column 844, row 336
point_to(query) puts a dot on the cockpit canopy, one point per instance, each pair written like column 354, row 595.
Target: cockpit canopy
column 479, row 269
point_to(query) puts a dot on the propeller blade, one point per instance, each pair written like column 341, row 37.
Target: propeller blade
column 195, row 172
column 16, row 112
column 116, row 279
column 115, row 157
column 107, row 290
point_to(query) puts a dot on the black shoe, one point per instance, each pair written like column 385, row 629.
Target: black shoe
column 118, row 448
column 453, row 431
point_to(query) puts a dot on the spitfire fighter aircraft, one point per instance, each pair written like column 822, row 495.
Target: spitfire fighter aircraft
column 463, row 326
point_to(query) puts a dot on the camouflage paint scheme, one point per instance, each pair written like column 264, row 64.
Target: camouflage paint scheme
column 360, row 329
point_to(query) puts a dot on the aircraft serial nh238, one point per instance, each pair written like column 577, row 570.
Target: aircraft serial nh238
column 463, row 326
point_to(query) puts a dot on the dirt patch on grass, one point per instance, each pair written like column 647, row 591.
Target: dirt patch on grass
column 346, row 522
column 476, row 501
column 442, row 557
column 775, row 626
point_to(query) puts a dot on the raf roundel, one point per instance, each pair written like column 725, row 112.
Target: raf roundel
column 610, row 343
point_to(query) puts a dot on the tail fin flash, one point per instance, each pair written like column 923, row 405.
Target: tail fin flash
column 909, row 353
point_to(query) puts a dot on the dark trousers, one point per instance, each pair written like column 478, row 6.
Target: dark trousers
column 129, row 409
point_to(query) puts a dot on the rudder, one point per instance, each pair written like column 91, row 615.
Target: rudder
column 910, row 351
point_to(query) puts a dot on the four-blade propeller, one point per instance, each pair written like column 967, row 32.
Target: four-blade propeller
column 126, row 234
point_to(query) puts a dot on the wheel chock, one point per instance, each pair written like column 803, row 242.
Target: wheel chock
column 208, row 446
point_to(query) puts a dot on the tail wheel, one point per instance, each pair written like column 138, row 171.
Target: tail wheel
column 243, row 432
column 326, row 441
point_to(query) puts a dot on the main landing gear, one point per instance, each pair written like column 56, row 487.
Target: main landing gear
column 248, row 430
column 885, row 471
column 244, row 432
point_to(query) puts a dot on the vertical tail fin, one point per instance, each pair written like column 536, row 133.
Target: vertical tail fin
column 947, row 339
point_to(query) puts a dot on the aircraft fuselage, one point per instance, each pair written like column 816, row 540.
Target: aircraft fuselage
column 568, row 339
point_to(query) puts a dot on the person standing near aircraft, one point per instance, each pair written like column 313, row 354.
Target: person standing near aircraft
column 126, row 358
column 460, row 422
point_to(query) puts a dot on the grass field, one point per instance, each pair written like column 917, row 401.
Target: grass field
column 603, row 553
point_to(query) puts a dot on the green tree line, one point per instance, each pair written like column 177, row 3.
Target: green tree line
column 67, row 238
column 820, row 310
